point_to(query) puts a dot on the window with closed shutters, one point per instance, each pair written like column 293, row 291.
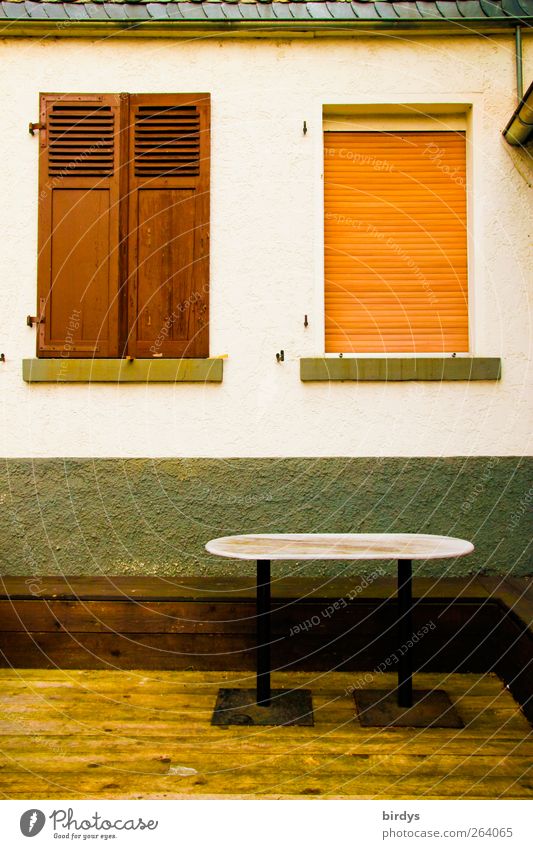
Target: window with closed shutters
column 395, row 242
column 124, row 225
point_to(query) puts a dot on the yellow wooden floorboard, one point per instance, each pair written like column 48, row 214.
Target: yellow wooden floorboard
column 98, row 734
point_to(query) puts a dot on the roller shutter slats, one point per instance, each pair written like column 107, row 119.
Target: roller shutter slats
column 395, row 242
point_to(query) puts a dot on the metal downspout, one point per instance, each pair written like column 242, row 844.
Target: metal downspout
column 519, row 71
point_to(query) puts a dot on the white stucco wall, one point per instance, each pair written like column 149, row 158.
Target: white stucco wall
column 266, row 252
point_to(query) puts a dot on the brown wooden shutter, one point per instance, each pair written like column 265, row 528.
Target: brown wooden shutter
column 395, row 242
column 78, row 267
column 168, row 266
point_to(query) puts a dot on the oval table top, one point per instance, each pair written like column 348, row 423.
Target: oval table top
column 339, row 547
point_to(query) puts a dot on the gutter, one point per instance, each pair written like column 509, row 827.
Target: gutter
column 519, row 130
column 163, row 26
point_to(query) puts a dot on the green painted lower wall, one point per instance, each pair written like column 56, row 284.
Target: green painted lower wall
column 153, row 517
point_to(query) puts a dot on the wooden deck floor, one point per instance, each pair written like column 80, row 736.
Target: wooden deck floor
column 97, row 734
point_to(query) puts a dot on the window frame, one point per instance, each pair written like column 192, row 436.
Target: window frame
column 120, row 311
column 398, row 116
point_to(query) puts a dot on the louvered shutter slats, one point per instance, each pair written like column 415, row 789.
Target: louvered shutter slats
column 167, row 141
column 81, row 140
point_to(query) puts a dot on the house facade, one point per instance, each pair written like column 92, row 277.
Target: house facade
column 265, row 268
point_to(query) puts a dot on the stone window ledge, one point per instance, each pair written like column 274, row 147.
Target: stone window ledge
column 399, row 368
column 63, row 370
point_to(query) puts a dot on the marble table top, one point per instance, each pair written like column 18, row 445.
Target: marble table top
column 339, row 547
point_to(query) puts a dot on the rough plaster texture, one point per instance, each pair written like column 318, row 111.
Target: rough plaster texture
column 153, row 517
column 266, row 263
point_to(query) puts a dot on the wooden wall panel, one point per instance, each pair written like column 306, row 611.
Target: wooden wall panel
column 165, row 274
column 481, row 625
column 81, row 266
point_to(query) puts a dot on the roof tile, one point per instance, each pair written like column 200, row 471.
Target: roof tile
column 76, row 11
column 14, row 10
column 174, row 11
column 470, row 9
column 341, row 11
column 214, row 11
column 512, row 7
column 282, row 11
column 137, row 11
column 158, row 11
column 492, row 10
column 232, row 10
column 35, row 10
column 364, row 10
column 406, row 10
column 94, row 10
column 55, row 11
column 448, row 9
column 264, row 10
column 115, row 11
column 428, row 9
column 249, row 11
column 299, row 11
column 192, row 11
column 385, row 10
column 318, row 10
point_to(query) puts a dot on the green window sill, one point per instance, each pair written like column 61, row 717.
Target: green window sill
column 399, row 368
column 59, row 370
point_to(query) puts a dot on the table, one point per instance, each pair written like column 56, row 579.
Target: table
column 404, row 706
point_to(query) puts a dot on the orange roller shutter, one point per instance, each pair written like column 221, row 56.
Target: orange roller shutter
column 395, row 242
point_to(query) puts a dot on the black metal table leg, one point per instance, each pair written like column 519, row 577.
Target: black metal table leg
column 263, row 632
column 405, row 707
column 405, row 632
column 263, row 706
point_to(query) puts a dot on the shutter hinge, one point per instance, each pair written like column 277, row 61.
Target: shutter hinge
column 36, row 319
column 35, row 126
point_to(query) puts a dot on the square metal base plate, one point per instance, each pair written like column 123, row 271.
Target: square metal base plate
column 287, row 707
column 431, row 709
